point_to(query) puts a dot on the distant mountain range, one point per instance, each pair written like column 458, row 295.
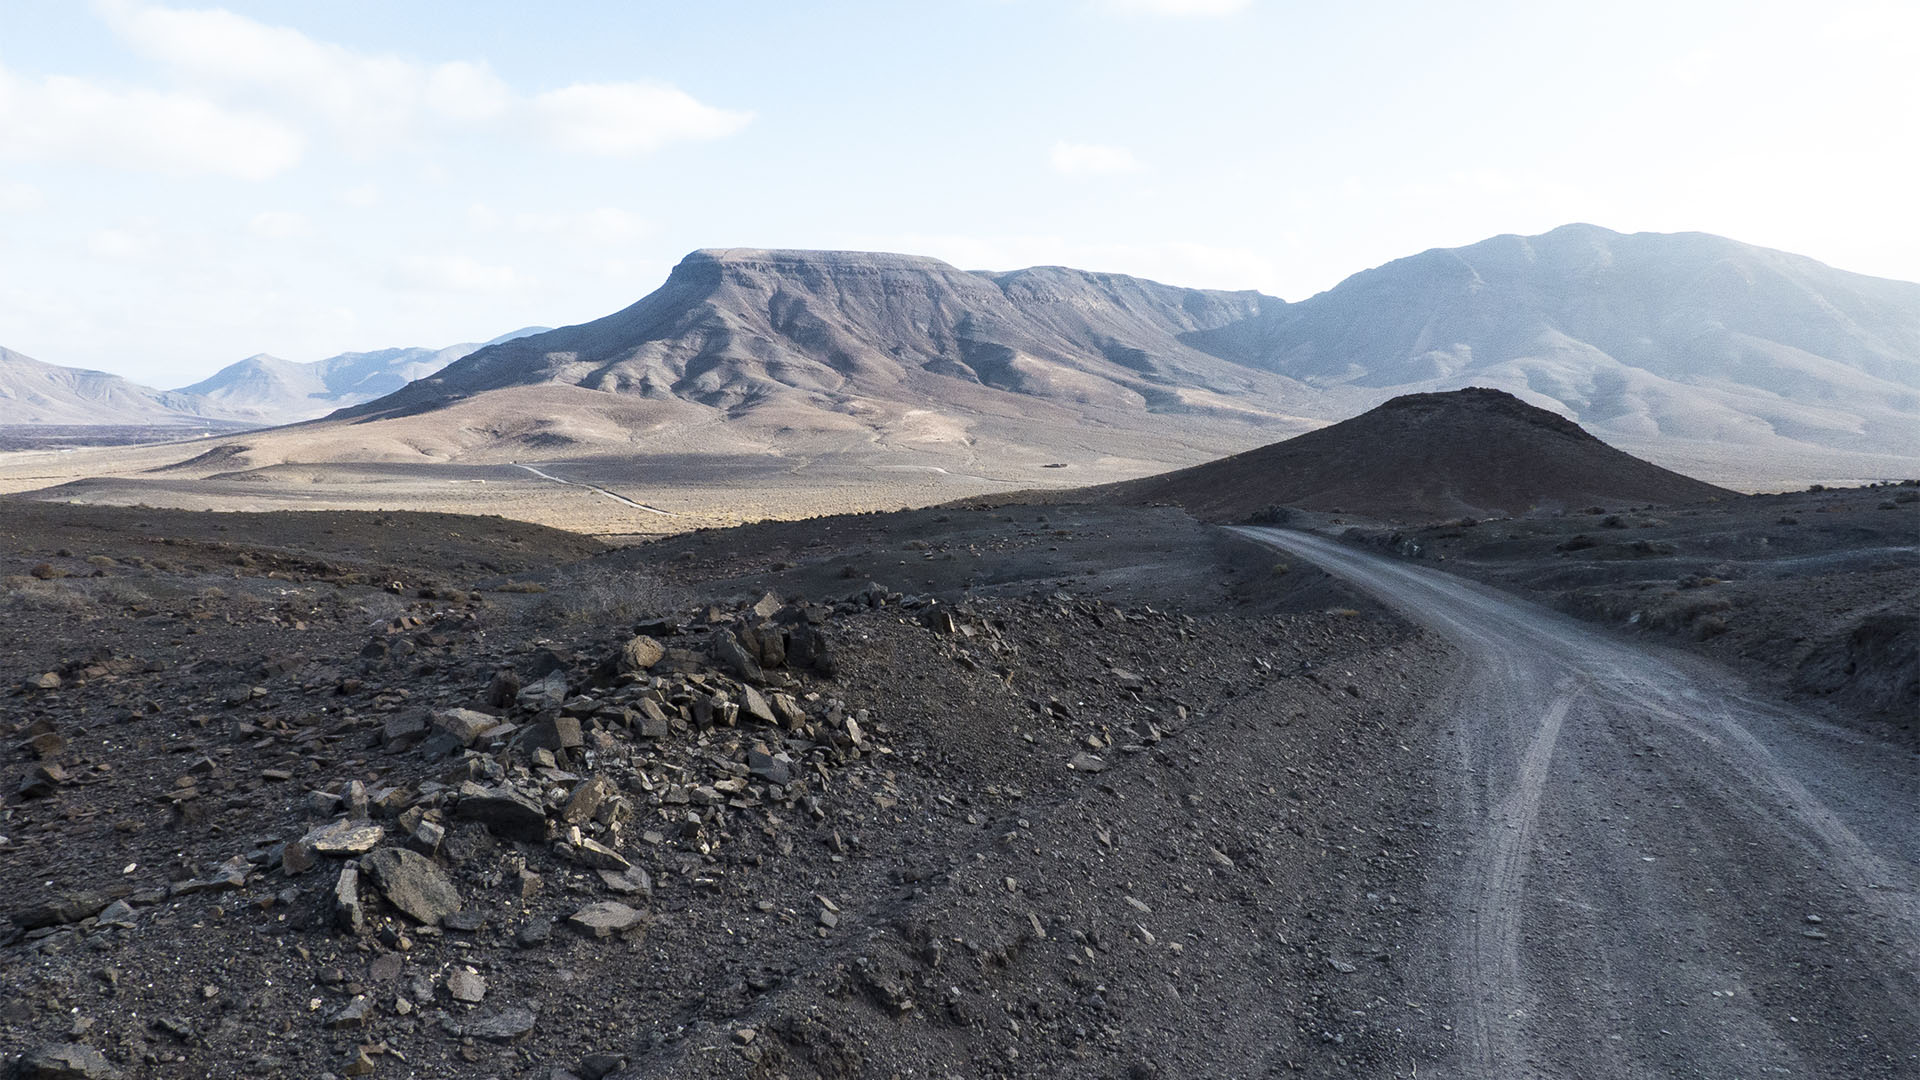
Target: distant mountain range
column 1730, row 361
column 260, row 391
column 35, row 393
column 1687, row 346
column 280, row 391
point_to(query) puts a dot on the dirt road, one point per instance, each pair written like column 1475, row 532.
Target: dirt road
column 1647, row 869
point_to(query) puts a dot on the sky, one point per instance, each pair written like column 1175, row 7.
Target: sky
column 184, row 186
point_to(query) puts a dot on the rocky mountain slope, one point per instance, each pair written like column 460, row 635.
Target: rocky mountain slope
column 1687, row 345
column 275, row 391
column 1638, row 337
column 32, row 392
column 1475, row 452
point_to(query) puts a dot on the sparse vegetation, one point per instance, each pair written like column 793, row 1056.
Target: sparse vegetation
column 603, row 596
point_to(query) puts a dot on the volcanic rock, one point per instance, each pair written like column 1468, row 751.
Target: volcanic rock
column 411, row 882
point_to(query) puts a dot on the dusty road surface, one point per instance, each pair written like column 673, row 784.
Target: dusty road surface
column 1648, row 870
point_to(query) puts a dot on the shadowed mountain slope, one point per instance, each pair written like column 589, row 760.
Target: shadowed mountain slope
column 1735, row 359
column 739, row 329
column 1474, row 452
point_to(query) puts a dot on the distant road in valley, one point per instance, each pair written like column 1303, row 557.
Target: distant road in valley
column 621, row 499
column 1649, row 868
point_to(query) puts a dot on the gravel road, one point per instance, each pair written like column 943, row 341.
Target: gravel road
column 1647, row 869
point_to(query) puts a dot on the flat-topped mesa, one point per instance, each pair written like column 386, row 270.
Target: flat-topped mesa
column 785, row 258
column 746, row 328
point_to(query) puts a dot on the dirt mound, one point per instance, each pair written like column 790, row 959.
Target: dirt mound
column 1473, row 452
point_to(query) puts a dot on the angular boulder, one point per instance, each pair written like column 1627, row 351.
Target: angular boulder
column 413, row 883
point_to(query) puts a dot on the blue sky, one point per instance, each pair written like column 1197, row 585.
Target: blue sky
column 184, row 186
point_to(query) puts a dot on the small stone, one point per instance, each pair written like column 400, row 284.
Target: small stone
column 354, row 1015
column 348, row 914
column 385, row 968
column 466, row 986
column 767, row 767
column 586, row 799
column 598, row 1066
column 297, row 858
column 745, row 1036
column 359, row 1064
column 1087, row 763
column 653, row 721
column 47, row 744
column 754, row 704
column 46, row 681
column 427, row 837
column 66, row 1061
column 505, row 811
column 504, row 1025
column 537, row 932
column 344, row 838
column 403, row 731
column 734, row 657
column 467, row 922
column 1342, row 966
column 411, row 882
column 544, row 694
column 605, row 919
column 634, row 881
column 595, row 855
column 465, row 725
column 58, row 911
column 641, row 653
column 529, row 883
column 119, row 913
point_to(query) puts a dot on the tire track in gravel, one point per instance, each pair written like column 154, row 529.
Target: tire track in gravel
column 1658, row 871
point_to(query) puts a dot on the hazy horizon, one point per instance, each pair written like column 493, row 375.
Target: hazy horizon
column 184, row 187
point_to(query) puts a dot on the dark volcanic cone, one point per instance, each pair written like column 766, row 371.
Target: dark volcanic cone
column 1423, row 456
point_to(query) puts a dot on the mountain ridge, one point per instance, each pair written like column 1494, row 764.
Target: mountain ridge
column 273, row 390
column 1687, row 340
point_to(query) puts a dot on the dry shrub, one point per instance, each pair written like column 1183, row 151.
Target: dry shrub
column 28, row 594
column 599, row 595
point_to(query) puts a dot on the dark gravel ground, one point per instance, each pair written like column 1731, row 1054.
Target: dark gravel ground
column 1815, row 594
column 1032, row 790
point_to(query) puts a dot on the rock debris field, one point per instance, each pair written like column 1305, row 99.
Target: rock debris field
column 995, row 792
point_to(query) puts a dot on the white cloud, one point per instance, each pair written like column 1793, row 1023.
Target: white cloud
column 455, row 273
column 1083, row 159
column 20, row 198
column 624, row 119
column 280, row 225
column 361, row 197
column 59, row 118
column 482, row 218
column 375, row 101
column 1178, row 8
column 605, row 225
column 466, row 91
column 367, row 99
column 122, row 244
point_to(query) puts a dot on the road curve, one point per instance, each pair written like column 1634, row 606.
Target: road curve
column 1649, row 870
